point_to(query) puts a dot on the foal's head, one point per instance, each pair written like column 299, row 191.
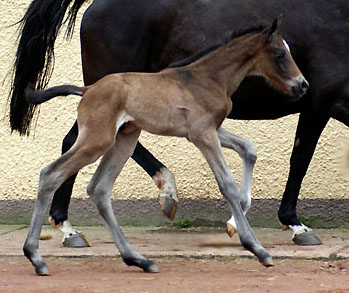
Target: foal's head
column 277, row 65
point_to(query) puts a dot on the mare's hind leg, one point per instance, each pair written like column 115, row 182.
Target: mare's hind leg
column 247, row 152
column 209, row 144
column 58, row 214
column 51, row 177
column 100, row 189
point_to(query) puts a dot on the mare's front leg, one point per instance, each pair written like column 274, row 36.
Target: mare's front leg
column 310, row 127
column 247, row 152
column 58, row 214
column 100, row 189
column 208, row 143
column 162, row 177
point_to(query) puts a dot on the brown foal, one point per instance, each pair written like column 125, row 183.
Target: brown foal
column 188, row 101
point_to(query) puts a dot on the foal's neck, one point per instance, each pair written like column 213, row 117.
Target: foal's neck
column 231, row 63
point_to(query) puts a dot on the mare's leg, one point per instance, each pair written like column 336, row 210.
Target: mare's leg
column 247, row 152
column 51, row 178
column 209, row 144
column 310, row 127
column 100, row 189
column 58, row 215
column 162, row 177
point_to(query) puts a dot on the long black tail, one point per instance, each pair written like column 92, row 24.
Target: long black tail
column 40, row 96
column 34, row 59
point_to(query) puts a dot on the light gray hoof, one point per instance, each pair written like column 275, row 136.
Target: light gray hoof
column 76, row 241
column 306, row 238
column 169, row 206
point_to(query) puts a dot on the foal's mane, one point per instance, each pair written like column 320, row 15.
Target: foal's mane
column 230, row 36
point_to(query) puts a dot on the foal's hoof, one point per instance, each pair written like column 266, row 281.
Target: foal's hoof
column 230, row 230
column 151, row 268
column 306, row 238
column 42, row 270
column 266, row 260
column 147, row 265
column 169, row 206
column 77, row 240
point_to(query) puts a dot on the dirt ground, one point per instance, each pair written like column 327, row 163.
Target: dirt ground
column 109, row 274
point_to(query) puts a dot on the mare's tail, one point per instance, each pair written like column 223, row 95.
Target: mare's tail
column 34, row 59
column 40, row 96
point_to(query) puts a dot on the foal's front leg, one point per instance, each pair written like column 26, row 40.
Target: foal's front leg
column 100, row 189
column 247, row 152
column 209, row 144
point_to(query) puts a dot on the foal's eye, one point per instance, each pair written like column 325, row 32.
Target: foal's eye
column 279, row 53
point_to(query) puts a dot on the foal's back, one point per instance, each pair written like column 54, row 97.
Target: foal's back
column 164, row 103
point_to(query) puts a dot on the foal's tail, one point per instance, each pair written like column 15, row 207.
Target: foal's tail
column 40, row 96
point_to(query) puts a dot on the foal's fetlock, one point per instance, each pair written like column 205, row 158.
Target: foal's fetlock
column 145, row 264
column 265, row 258
column 30, row 251
column 260, row 252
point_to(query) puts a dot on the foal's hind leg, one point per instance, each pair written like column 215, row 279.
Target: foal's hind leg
column 58, row 214
column 209, row 144
column 100, row 189
column 51, row 177
column 247, row 152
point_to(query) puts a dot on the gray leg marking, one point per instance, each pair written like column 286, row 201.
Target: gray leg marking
column 247, row 152
column 100, row 189
column 209, row 144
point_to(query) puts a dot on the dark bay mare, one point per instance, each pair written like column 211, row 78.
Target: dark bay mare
column 134, row 35
column 190, row 101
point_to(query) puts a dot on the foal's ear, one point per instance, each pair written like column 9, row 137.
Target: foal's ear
column 274, row 27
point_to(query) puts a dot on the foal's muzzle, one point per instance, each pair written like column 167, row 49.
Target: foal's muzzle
column 299, row 86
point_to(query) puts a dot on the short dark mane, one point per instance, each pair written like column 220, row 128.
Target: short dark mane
column 230, row 36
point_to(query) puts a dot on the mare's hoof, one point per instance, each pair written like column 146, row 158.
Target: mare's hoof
column 306, row 238
column 76, row 241
column 230, row 230
column 42, row 270
column 169, row 206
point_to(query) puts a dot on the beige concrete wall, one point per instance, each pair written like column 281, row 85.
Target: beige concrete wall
column 21, row 158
